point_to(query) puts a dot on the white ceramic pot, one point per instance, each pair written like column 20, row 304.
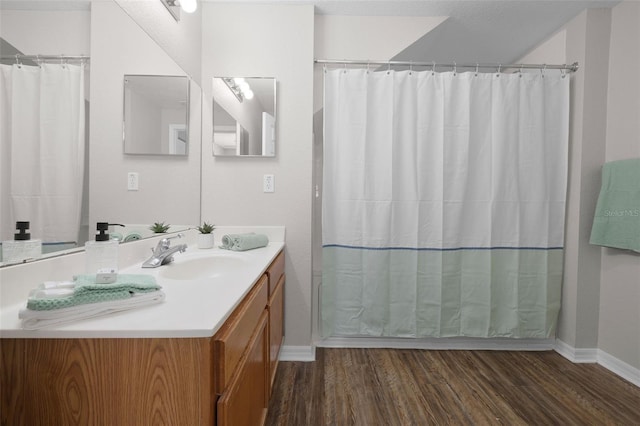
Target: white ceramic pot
column 205, row 241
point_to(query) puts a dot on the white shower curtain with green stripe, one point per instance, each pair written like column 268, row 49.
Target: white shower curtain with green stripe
column 443, row 203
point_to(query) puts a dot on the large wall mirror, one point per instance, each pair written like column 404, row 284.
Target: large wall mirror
column 168, row 185
column 156, row 114
column 244, row 116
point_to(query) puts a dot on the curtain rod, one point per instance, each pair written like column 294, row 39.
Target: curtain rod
column 18, row 57
column 571, row 68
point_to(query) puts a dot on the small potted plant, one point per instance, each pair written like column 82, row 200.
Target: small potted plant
column 205, row 237
column 159, row 228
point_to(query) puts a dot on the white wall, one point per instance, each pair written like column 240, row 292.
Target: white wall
column 169, row 187
column 601, row 295
column 619, row 327
column 180, row 39
column 47, row 32
column 266, row 41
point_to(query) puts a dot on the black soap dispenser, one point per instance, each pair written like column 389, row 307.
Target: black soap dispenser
column 22, row 248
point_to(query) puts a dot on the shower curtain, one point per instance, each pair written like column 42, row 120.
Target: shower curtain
column 444, row 202
column 42, row 142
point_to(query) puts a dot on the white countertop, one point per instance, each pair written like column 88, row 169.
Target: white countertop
column 193, row 308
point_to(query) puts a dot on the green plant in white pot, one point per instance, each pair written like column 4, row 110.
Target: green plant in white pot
column 159, row 227
column 205, row 237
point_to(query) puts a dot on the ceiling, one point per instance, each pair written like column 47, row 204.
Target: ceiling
column 486, row 31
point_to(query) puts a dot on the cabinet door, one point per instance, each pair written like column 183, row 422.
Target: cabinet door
column 245, row 402
column 232, row 339
column 276, row 328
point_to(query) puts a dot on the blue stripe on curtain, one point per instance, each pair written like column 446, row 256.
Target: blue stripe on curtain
column 440, row 249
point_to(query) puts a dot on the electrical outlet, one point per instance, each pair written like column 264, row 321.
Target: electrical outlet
column 132, row 181
column 268, row 184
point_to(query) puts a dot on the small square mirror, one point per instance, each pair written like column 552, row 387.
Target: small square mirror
column 156, row 114
column 244, row 116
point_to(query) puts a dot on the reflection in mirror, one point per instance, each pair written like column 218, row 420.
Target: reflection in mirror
column 244, row 116
column 117, row 46
column 156, row 114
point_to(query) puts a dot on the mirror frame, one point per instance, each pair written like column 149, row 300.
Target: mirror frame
column 231, row 91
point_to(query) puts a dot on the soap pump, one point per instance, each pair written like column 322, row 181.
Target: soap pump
column 102, row 254
column 22, row 248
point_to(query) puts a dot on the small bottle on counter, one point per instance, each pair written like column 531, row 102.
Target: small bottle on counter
column 22, row 248
column 101, row 254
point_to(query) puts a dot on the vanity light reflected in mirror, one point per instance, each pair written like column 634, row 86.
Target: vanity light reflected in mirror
column 174, row 6
column 156, row 114
column 244, row 116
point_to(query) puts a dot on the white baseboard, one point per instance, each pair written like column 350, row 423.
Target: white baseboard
column 298, row 353
column 576, row 355
column 601, row 357
column 619, row 367
column 452, row 343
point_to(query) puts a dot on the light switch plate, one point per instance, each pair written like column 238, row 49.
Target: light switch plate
column 268, row 184
column 132, row 181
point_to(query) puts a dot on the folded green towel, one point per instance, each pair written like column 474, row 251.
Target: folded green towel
column 617, row 216
column 242, row 242
column 87, row 291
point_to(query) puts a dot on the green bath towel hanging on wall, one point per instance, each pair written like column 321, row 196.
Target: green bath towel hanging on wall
column 617, row 218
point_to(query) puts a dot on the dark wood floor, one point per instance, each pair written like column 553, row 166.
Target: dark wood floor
column 417, row 387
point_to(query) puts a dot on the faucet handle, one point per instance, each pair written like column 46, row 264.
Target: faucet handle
column 164, row 243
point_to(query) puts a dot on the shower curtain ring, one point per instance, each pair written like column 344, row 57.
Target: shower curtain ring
column 455, row 68
column 477, row 67
column 410, row 67
column 544, row 68
column 499, row 69
column 433, row 68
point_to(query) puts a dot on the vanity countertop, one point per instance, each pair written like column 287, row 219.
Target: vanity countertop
column 192, row 308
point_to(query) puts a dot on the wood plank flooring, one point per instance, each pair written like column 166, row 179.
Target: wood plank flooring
column 389, row 387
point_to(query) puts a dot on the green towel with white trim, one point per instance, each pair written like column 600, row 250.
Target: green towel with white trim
column 617, row 217
column 87, row 291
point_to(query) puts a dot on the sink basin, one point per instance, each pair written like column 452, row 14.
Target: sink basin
column 202, row 267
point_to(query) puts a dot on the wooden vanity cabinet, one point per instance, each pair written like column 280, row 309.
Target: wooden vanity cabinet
column 221, row 380
column 246, row 351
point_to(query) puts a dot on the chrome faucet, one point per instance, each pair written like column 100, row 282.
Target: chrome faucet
column 163, row 253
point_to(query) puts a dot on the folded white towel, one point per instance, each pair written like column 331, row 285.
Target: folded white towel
column 50, row 293
column 35, row 320
column 57, row 284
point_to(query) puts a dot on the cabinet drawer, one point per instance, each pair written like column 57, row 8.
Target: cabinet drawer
column 275, row 271
column 233, row 338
